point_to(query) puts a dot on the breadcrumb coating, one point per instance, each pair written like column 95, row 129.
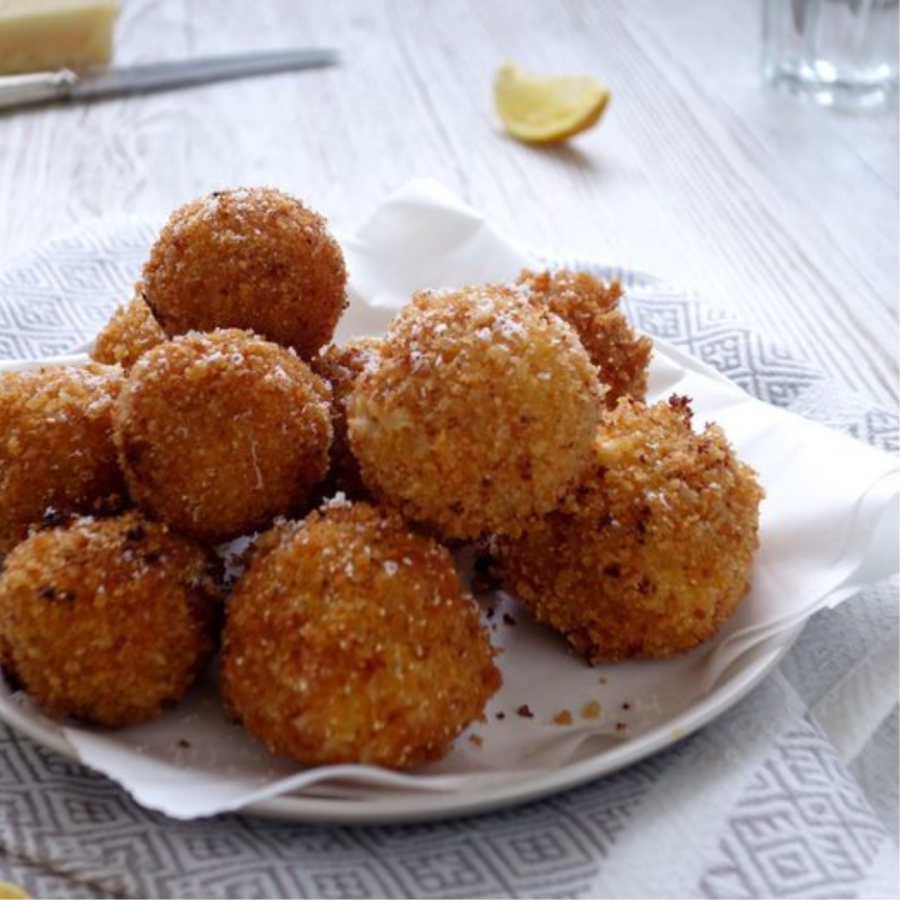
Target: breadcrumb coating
column 592, row 309
column 340, row 366
column 350, row 639
column 107, row 620
column 219, row 433
column 654, row 550
column 130, row 333
column 252, row 258
column 56, row 446
column 479, row 415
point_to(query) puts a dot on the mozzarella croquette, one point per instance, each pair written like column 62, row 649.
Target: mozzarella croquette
column 252, row 258
column 350, row 639
column 56, row 446
column 107, row 620
column 592, row 309
column 219, row 433
column 130, row 332
column 654, row 550
column 340, row 366
column 479, row 415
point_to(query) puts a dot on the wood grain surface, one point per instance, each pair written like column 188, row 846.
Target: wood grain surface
column 784, row 212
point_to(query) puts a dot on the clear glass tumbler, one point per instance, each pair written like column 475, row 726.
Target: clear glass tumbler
column 841, row 53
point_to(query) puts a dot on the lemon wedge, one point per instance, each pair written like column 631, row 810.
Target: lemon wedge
column 542, row 110
column 9, row 891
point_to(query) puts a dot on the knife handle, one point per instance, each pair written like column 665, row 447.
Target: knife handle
column 34, row 88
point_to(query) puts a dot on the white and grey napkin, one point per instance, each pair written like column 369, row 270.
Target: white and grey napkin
column 792, row 793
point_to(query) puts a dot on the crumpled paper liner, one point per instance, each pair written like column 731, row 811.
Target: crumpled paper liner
column 829, row 526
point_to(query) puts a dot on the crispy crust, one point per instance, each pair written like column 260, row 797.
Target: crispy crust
column 251, row 258
column 107, row 620
column 130, row 333
column 479, row 415
column 56, row 447
column 653, row 552
column 592, row 309
column 340, row 366
column 351, row 639
column 219, row 433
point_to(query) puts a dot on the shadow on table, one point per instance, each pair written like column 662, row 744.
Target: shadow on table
column 568, row 155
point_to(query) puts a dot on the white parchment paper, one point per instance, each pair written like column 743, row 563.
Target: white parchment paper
column 829, row 526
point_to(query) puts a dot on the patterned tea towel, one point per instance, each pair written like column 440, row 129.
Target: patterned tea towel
column 791, row 793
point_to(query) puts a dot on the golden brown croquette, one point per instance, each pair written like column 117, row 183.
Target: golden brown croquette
column 653, row 552
column 56, row 446
column 130, row 333
column 218, row 433
column 340, row 366
column 592, row 309
column 252, row 258
column 107, row 620
column 350, row 639
column 479, row 415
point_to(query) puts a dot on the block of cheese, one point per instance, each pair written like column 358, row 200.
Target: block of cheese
column 45, row 35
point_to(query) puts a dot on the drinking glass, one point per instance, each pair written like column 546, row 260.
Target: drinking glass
column 841, row 53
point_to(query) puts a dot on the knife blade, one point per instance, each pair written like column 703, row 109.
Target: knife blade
column 66, row 85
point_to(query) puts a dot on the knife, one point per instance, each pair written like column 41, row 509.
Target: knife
column 66, row 85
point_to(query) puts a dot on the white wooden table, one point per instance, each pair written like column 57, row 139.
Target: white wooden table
column 786, row 213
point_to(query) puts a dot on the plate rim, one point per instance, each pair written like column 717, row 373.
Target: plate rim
column 730, row 690
column 735, row 683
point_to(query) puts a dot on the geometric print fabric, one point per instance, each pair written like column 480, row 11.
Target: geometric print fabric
column 801, row 826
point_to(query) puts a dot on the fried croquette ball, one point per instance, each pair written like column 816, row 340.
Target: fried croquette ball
column 219, row 433
column 653, row 552
column 130, row 333
column 479, row 415
column 350, row 639
column 56, row 446
column 253, row 258
column 108, row 620
column 591, row 308
column 340, row 366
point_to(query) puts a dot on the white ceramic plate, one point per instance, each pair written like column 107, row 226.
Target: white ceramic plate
column 397, row 807
column 819, row 544
column 381, row 803
column 688, row 692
